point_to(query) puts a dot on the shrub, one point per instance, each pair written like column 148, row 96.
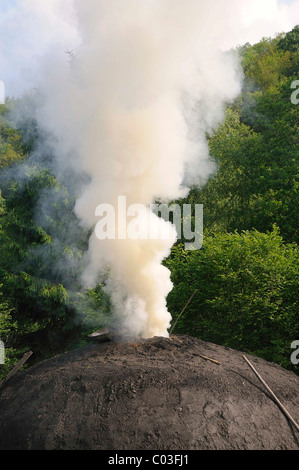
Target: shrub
column 247, row 295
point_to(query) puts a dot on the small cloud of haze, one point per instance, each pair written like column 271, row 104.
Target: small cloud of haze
column 252, row 20
column 28, row 30
column 31, row 28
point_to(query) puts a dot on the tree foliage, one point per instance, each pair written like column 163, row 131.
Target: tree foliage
column 247, row 292
column 247, row 273
column 41, row 248
column 256, row 149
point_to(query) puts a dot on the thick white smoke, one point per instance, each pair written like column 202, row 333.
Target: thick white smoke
column 146, row 81
column 131, row 111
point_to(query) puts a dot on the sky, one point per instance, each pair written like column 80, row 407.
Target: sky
column 30, row 29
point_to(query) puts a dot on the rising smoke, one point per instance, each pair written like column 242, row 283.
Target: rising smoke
column 131, row 109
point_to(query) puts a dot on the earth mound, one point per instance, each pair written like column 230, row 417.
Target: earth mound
column 157, row 394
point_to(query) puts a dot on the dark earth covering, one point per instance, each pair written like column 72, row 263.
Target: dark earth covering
column 156, row 394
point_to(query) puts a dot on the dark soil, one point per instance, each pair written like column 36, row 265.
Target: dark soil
column 157, row 394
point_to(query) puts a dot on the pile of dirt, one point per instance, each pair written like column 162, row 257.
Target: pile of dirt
column 158, row 394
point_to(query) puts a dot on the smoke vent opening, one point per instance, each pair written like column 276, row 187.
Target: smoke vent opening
column 115, row 335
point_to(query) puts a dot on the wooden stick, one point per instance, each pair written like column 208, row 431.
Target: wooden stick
column 273, row 395
column 182, row 312
column 15, row 369
column 208, row 359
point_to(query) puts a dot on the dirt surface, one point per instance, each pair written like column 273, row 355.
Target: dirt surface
column 157, row 394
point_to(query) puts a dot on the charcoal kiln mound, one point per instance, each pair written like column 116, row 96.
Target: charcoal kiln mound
column 157, row 394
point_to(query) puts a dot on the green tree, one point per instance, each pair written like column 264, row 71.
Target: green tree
column 256, row 149
column 8, row 329
column 41, row 248
column 247, row 292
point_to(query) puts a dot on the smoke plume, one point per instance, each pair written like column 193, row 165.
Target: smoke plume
column 131, row 110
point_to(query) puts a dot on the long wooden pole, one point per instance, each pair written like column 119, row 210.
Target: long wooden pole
column 291, row 419
column 15, row 369
column 182, row 312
